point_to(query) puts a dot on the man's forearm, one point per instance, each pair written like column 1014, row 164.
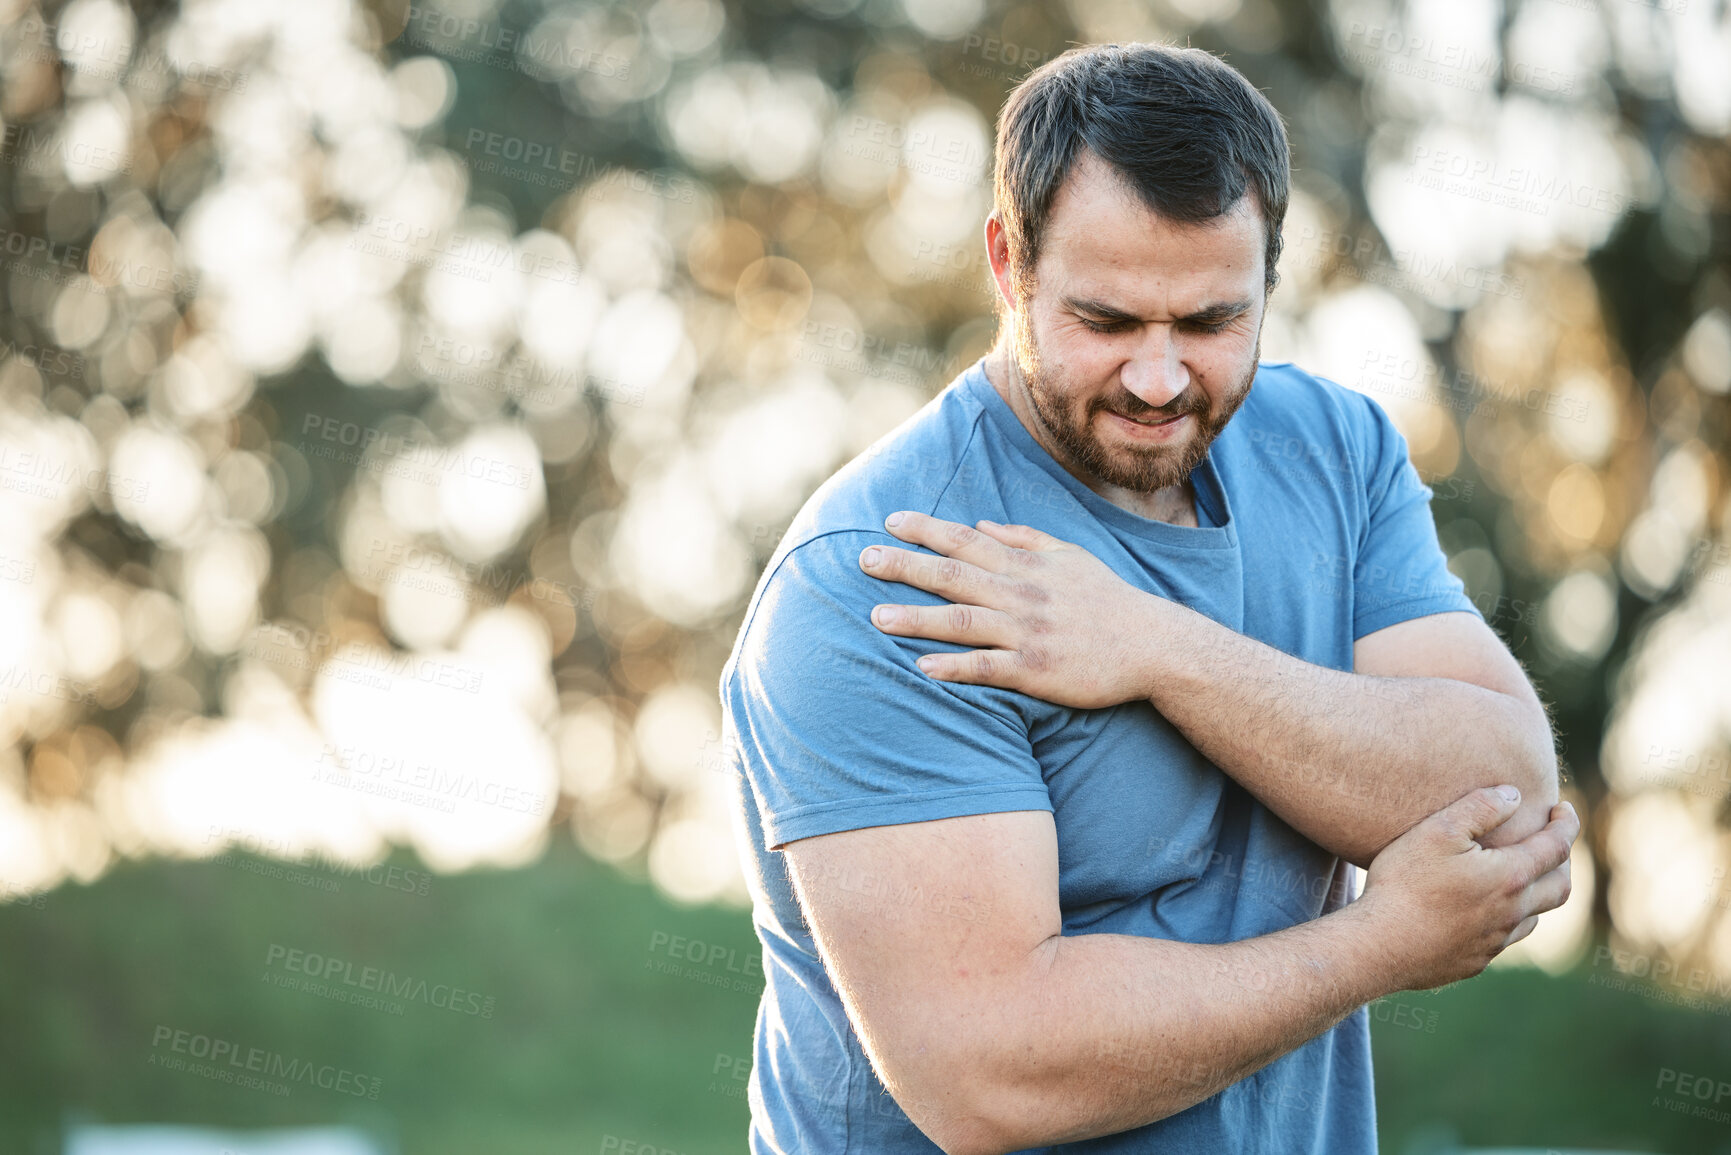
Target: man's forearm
column 1109, row 1032
column 1348, row 760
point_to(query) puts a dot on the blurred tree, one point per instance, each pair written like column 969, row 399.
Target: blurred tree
column 360, row 358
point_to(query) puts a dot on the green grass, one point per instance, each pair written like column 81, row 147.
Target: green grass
column 1521, row 1059
column 588, row 1039
column 584, row 1040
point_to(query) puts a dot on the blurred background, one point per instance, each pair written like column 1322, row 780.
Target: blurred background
column 398, row 404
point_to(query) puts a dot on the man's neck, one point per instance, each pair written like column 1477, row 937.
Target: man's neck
column 1176, row 504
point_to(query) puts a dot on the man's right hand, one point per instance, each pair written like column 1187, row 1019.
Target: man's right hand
column 1445, row 906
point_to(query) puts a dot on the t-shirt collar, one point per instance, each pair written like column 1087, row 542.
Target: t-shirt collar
column 1206, row 478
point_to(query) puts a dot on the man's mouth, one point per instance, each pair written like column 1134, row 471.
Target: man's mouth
column 1152, row 420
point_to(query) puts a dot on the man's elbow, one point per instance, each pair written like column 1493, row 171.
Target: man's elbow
column 974, row 1101
column 941, row 1088
column 1527, row 760
column 972, row 1137
column 1534, row 758
column 1531, row 767
column 992, row 1122
column 962, row 1121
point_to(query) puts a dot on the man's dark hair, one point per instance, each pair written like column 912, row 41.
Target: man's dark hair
column 1183, row 129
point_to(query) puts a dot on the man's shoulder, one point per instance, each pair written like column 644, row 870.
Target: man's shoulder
column 1284, row 390
column 1291, row 410
column 816, row 560
column 907, row 468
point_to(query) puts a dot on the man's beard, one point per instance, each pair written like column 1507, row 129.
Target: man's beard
column 1144, row 469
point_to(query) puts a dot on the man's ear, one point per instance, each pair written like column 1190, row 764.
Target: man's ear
column 998, row 260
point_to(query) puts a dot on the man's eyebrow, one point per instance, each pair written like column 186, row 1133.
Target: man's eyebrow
column 1210, row 315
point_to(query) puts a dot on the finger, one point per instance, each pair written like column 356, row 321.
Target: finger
column 948, row 577
column 951, row 538
column 1522, row 931
column 1544, row 850
column 1022, row 536
column 1474, row 815
column 1549, row 891
column 960, row 623
column 976, row 668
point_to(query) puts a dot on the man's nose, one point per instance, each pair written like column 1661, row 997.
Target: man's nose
column 1156, row 374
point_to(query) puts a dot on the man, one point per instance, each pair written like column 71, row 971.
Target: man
column 1058, row 851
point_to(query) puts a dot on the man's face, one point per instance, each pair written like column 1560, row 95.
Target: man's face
column 1141, row 338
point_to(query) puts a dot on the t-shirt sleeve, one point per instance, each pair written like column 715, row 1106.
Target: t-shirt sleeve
column 1401, row 571
column 836, row 728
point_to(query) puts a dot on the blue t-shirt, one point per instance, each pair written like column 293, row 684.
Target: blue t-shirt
column 1315, row 531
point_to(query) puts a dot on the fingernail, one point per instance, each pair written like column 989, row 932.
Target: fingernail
column 987, row 521
column 884, row 616
column 871, row 556
column 1509, row 793
column 926, row 663
column 893, row 519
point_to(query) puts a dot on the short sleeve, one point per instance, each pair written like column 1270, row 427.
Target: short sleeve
column 1400, row 572
column 836, row 728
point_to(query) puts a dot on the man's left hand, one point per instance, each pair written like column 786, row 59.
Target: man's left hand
column 1049, row 618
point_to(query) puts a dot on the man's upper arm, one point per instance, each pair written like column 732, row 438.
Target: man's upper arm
column 1447, row 645
column 1400, row 571
column 914, row 818
column 928, row 931
column 839, row 729
column 1413, row 619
